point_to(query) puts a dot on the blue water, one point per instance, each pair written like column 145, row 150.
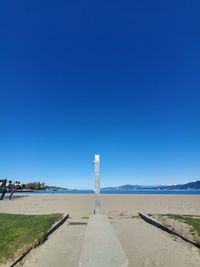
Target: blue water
column 133, row 192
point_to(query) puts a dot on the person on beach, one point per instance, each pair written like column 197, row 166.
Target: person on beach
column 3, row 193
column 12, row 192
column 3, row 187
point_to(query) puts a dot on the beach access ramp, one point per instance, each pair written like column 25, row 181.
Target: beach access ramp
column 101, row 246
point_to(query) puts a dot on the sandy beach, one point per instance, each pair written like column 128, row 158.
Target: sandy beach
column 144, row 244
column 112, row 205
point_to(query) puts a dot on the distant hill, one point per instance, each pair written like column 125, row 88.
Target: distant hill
column 129, row 187
column 191, row 185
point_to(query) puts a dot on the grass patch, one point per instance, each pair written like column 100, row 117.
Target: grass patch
column 135, row 217
column 20, row 231
column 193, row 221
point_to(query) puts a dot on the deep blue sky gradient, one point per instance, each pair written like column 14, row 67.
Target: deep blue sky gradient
column 118, row 78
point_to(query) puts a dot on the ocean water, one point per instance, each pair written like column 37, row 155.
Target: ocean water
column 132, row 192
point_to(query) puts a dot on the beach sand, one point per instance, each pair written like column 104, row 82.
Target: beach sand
column 112, row 205
column 144, row 244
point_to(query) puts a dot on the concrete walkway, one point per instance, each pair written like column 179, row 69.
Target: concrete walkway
column 101, row 247
column 144, row 245
column 62, row 249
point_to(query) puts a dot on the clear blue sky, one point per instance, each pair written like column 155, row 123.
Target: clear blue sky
column 118, row 78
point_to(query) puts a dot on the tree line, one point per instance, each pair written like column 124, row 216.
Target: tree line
column 30, row 186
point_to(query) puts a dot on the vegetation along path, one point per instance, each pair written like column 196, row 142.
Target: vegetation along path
column 18, row 232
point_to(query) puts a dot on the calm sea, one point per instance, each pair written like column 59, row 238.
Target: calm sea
column 133, row 192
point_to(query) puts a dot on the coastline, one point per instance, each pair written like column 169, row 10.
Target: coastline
column 116, row 192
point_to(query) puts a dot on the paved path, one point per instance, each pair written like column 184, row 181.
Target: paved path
column 145, row 245
column 101, row 246
column 62, row 249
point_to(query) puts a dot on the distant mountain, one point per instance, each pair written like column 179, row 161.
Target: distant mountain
column 129, row 187
column 192, row 185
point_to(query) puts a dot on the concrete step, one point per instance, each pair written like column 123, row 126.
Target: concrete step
column 101, row 246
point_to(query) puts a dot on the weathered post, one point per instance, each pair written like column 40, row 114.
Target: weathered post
column 97, row 183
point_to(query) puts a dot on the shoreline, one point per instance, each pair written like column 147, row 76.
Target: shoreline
column 131, row 192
